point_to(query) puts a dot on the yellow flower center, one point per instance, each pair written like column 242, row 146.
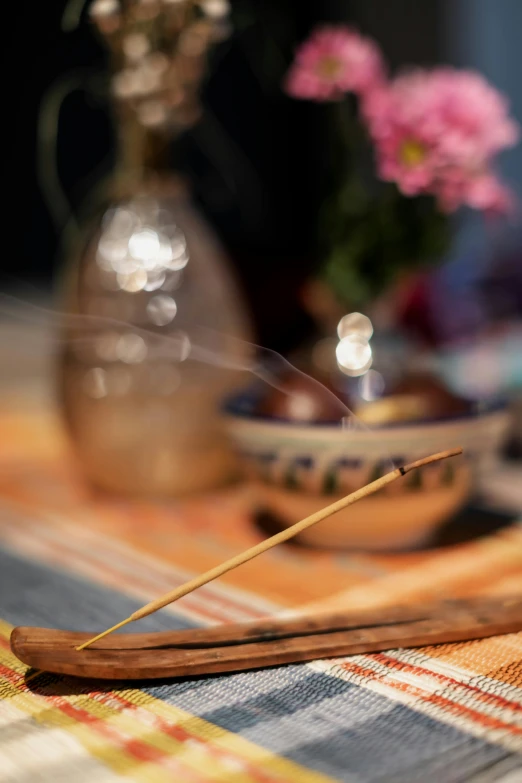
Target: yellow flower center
column 329, row 67
column 412, row 152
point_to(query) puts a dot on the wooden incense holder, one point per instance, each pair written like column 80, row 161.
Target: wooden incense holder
column 269, row 543
column 269, row 642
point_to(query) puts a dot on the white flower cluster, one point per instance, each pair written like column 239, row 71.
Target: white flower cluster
column 160, row 48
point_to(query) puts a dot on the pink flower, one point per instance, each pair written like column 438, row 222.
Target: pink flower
column 334, row 60
column 480, row 190
column 438, row 132
column 488, row 194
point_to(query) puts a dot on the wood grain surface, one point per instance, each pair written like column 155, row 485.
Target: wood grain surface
column 271, row 642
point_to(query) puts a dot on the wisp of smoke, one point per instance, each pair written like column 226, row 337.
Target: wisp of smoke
column 206, row 347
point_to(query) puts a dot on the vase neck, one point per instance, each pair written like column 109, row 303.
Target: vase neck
column 143, row 154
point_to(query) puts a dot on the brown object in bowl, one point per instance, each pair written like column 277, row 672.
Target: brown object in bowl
column 417, row 397
column 301, row 398
column 439, row 400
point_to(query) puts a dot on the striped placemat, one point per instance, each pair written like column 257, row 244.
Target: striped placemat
column 74, row 560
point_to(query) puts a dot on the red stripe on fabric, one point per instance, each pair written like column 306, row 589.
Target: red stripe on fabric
column 484, row 696
column 138, row 749
column 11, row 675
column 180, row 733
column 172, row 730
column 435, row 699
column 122, row 583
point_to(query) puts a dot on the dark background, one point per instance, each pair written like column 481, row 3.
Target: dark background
column 256, row 161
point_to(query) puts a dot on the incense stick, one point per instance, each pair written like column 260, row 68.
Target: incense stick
column 279, row 538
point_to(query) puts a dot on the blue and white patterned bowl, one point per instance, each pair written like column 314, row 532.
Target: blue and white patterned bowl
column 299, row 468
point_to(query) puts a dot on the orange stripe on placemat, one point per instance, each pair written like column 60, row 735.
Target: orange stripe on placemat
column 443, row 679
column 446, row 704
column 139, row 750
column 148, row 586
column 447, row 680
column 114, row 578
column 159, row 730
column 134, row 573
column 135, row 748
column 469, row 569
column 126, row 757
column 181, row 734
column 145, row 751
column 287, row 586
column 499, row 658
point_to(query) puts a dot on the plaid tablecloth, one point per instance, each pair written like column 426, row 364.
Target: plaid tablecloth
column 73, row 560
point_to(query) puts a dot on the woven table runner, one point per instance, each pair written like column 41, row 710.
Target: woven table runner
column 72, row 559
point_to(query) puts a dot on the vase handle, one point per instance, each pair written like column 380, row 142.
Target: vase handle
column 56, row 199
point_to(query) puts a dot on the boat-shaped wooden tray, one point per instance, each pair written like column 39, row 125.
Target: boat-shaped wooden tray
column 271, row 642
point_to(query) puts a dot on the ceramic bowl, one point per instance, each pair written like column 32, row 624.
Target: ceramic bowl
column 297, row 469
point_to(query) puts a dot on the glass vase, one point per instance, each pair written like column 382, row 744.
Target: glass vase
column 149, row 282
column 152, row 309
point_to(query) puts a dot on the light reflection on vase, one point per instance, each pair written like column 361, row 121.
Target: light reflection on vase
column 141, row 408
